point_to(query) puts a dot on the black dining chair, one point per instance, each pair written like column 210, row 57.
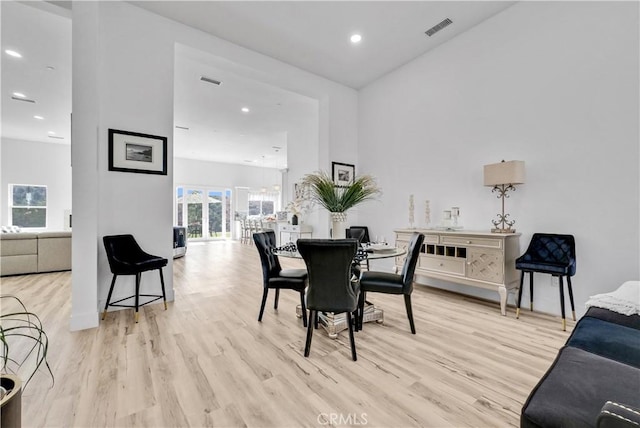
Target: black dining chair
column 276, row 278
column 390, row 283
column 127, row 258
column 359, row 233
column 331, row 288
column 551, row 254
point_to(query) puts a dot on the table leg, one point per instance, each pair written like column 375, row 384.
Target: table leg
column 502, row 291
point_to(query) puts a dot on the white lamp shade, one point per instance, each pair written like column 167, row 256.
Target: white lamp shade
column 510, row 172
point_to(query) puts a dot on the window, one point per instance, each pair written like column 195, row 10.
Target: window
column 263, row 203
column 28, row 206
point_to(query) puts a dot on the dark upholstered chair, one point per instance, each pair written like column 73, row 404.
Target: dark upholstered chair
column 554, row 255
column 389, row 283
column 330, row 287
column 361, row 233
column 127, row 258
column 274, row 277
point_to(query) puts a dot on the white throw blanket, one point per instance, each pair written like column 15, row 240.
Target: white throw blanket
column 625, row 300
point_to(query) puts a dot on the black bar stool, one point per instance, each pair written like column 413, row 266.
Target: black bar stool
column 127, row 258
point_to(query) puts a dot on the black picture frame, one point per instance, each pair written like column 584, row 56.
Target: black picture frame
column 137, row 152
column 342, row 174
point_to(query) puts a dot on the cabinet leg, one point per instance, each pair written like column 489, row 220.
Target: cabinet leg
column 502, row 290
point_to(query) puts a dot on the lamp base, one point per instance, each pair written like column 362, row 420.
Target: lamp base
column 503, row 231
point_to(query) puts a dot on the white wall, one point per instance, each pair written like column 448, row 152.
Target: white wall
column 555, row 84
column 205, row 173
column 29, row 162
column 123, row 60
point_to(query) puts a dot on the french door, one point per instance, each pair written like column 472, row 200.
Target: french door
column 205, row 212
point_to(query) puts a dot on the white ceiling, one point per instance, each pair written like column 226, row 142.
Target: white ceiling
column 313, row 36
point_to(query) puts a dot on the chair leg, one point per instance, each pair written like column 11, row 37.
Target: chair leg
column 573, row 308
column 520, row 295
column 275, row 303
column 304, row 309
column 113, row 282
column 264, row 302
column 164, row 295
column 407, row 303
column 564, row 320
column 354, row 357
column 361, row 302
column 531, row 290
column 137, row 314
column 313, row 316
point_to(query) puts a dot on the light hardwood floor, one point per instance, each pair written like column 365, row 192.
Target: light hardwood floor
column 207, row 361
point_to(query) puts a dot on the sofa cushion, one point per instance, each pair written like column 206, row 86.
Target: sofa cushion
column 62, row 234
column 575, row 388
column 14, row 244
column 632, row 321
column 16, row 265
column 54, row 251
column 608, row 340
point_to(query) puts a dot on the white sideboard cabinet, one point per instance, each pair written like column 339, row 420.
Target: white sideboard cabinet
column 291, row 233
column 479, row 259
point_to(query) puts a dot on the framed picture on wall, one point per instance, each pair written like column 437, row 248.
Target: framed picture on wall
column 135, row 152
column 342, row 174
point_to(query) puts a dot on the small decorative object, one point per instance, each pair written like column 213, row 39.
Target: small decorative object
column 343, row 174
column 297, row 208
column 135, row 152
column 338, row 199
column 446, row 218
column 455, row 214
column 427, row 213
column 502, row 177
column 411, row 212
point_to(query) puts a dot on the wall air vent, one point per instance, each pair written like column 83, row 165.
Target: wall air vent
column 210, row 80
column 26, row 100
column 433, row 30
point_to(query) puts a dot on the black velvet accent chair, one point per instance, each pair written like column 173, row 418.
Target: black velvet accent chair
column 551, row 254
column 389, row 283
column 331, row 288
column 127, row 258
column 274, row 277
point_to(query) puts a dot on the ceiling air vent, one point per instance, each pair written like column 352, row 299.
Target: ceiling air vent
column 433, row 30
column 182, row 127
column 56, row 137
column 210, row 80
column 26, row 100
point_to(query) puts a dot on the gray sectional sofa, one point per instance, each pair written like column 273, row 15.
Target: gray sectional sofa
column 595, row 379
column 22, row 253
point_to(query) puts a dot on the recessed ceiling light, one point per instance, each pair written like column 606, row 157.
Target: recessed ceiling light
column 245, row 109
column 356, row 38
column 51, row 133
column 38, row 117
column 13, row 53
column 19, row 95
column 50, row 67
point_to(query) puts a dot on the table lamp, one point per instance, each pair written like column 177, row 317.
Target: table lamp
column 503, row 176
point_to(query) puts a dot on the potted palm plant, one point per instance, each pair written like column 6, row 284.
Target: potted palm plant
column 338, row 199
column 23, row 351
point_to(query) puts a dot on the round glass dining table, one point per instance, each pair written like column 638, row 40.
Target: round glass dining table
column 335, row 323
